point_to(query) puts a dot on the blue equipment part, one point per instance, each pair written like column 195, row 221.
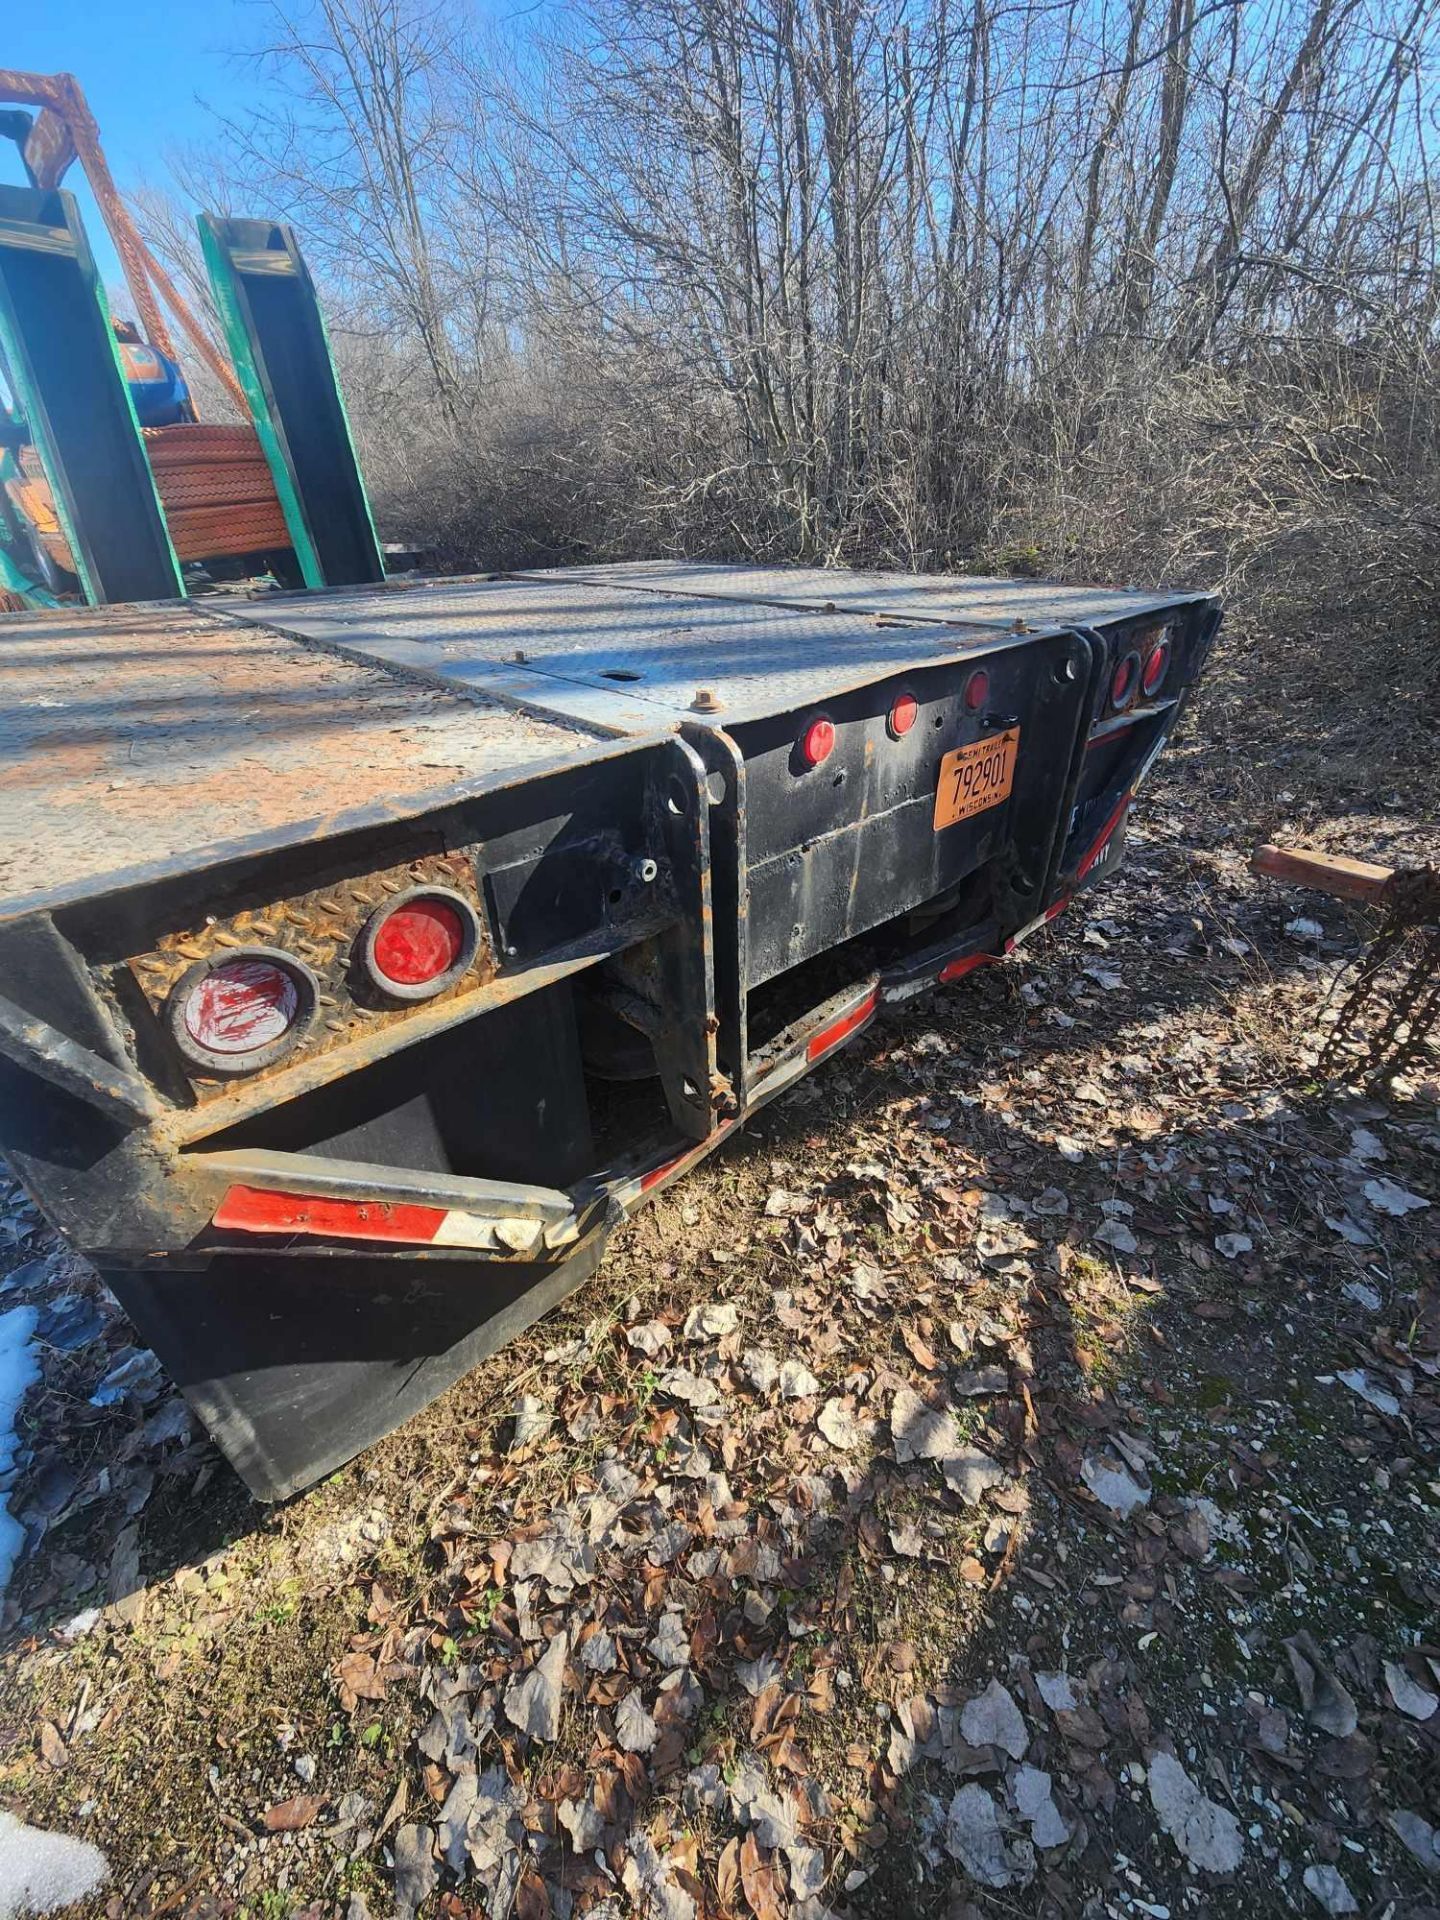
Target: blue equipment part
column 158, row 391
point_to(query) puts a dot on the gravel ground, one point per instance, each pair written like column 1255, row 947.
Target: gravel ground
column 1003, row 1482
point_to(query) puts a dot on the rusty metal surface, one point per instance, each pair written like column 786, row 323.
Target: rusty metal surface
column 545, row 640
column 910, row 596
column 130, row 737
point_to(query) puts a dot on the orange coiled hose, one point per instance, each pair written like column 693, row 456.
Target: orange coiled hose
column 215, row 491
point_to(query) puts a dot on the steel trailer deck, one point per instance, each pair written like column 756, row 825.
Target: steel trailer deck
column 699, row 826
column 132, row 738
column 956, row 597
column 622, row 660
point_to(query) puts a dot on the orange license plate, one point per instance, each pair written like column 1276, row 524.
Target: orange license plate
column 977, row 777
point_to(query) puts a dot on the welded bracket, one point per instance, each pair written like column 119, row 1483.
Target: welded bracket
column 697, row 1092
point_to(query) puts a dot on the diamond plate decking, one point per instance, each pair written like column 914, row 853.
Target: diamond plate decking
column 909, row 596
column 576, row 647
column 140, row 736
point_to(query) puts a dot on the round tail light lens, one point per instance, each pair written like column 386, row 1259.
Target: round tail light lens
column 420, row 943
column 977, row 690
column 903, row 715
column 817, row 743
column 242, row 1011
column 1157, row 665
column 1125, row 681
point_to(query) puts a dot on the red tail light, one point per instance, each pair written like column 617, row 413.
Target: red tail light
column 977, row 690
column 242, row 1011
column 903, row 715
column 1157, row 665
column 419, row 944
column 817, row 743
column 1124, row 682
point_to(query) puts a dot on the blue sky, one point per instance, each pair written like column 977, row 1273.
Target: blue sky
column 146, row 69
column 143, row 67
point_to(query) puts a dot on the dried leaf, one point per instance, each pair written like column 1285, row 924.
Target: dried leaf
column 992, row 1719
column 1409, row 1696
column 635, row 1729
column 358, row 1680
column 1386, row 1197
column 1035, row 1802
column 973, row 1837
column 796, row 1381
column 919, row 1431
column 293, row 1816
column 1418, row 1836
column 710, row 1322
column 972, row 1474
column 584, row 1823
column 836, row 1420
column 651, row 1885
column 1373, row 1395
column 415, row 1871
column 1208, row 1835
column 532, row 1702
column 1327, row 1704
column 648, row 1338
column 1334, row 1897
column 1114, row 1485
column 762, row 1895
column 1116, row 1235
column 533, row 1419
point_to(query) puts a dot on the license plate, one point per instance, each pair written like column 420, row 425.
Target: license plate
column 977, row 777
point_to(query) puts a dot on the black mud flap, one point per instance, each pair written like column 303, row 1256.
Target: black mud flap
column 295, row 1365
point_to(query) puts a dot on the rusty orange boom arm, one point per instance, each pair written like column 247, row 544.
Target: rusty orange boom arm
column 67, row 131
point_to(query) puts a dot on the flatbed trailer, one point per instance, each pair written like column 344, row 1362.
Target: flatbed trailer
column 366, row 956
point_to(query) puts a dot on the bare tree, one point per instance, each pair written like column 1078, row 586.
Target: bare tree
column 1066, row 284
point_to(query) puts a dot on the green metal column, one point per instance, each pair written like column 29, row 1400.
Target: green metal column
column 276, row 336
column 64, row 372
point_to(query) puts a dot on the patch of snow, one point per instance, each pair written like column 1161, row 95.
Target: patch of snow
column 42, row 1872
column 19, row 1369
